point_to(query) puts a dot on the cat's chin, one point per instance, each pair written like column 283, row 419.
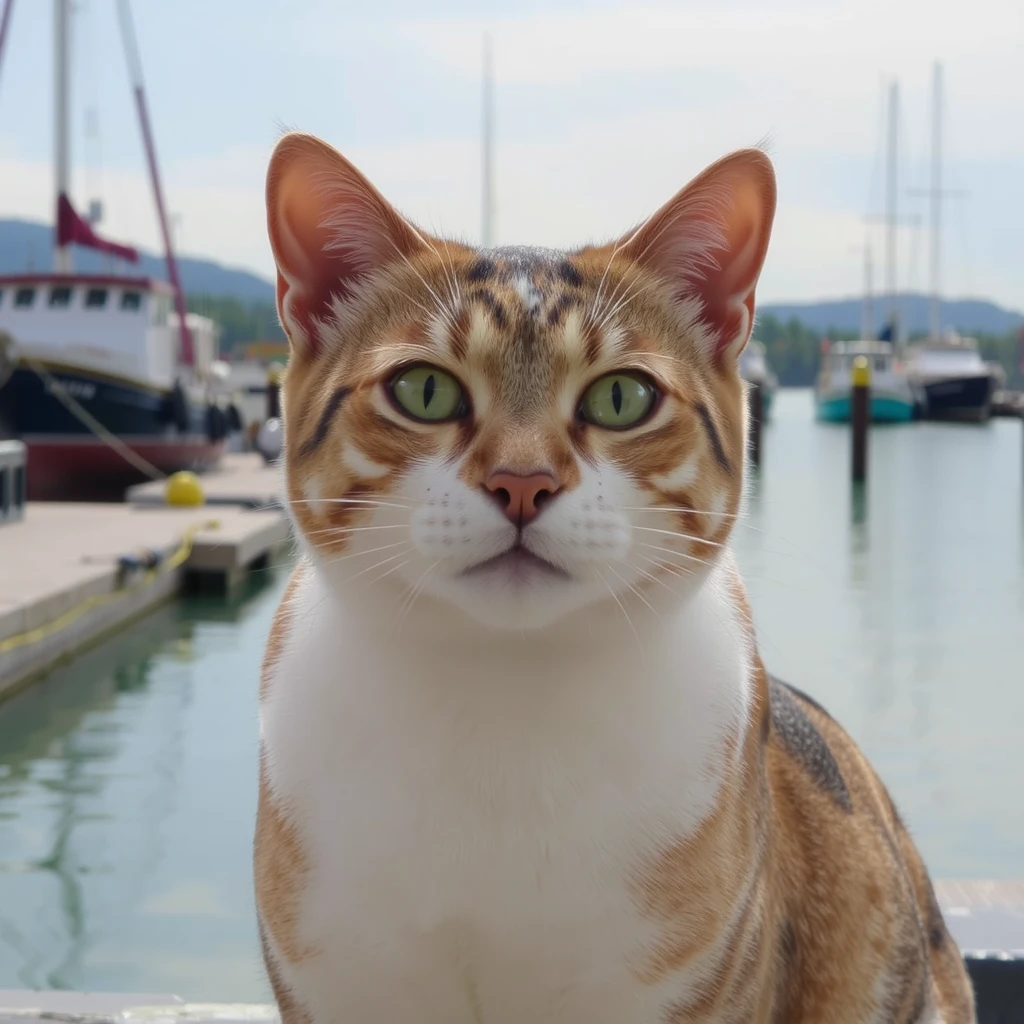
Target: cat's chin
column 515, row 592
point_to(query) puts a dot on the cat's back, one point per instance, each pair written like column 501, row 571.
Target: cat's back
column 855, row 905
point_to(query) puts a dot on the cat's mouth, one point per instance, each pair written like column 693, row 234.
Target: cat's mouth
column 517, row 563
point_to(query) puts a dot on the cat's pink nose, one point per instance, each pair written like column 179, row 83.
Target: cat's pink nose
column 521, row 498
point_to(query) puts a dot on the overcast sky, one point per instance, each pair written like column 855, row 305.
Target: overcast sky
column 603, row 110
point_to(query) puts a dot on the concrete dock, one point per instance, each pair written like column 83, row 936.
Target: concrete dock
column 242, row 478
column 72, row 573
column 26, row 1007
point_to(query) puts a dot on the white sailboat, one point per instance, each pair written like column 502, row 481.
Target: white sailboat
column 947, row 370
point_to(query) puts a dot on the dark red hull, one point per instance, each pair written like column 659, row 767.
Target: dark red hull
column 83, row 468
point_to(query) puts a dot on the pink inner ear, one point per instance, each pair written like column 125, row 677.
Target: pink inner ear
column 330, row 231
column 710, row 241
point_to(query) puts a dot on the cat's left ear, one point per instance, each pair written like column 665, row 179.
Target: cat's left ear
column 709, row 242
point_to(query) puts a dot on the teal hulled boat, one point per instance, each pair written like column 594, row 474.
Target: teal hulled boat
column 892, row 396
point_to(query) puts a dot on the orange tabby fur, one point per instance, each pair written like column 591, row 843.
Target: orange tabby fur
column 801, row 896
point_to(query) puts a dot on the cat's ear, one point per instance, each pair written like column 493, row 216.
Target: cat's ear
column 330, row 231
column 709, row 242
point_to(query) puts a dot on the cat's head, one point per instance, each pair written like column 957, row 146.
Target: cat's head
column 519, row 432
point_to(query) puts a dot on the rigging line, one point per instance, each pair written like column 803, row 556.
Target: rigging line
column 963, row 249
column 84, row 416
column 5, row 24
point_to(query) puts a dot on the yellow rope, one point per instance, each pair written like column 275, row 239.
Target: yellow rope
column 169, row 564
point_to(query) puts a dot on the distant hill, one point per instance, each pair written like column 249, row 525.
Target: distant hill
column 844, row 315
column 24, row 244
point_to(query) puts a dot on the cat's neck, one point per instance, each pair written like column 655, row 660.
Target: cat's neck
column 610, row 638
column 657, row 681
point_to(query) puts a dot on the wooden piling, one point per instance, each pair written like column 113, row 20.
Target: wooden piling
column 274, row 394
column 860, row 416
column 756, row 422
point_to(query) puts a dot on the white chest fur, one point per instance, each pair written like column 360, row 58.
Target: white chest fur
column 475, row 818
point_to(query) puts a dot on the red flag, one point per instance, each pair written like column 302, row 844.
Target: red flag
column 72, row 229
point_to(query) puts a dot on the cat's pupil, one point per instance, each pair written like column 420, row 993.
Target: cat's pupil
column 428, row 391
column 617, row 397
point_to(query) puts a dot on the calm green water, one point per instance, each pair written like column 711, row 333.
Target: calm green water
column 127, row 781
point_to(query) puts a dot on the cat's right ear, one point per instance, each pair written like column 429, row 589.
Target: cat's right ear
column 330, row 232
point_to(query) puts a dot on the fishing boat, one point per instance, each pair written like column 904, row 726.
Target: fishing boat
column 892, row 395
column 954, row 382
column 754, row 369
column 109, row 379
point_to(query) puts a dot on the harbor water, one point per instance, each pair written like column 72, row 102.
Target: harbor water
column 128, row 777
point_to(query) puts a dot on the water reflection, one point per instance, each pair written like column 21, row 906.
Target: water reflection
column 903, row 613
column 112, row 864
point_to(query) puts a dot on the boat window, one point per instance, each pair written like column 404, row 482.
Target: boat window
column 880, row 362
column 131, row 300
column 95, row 298
column 60, row 297
column 24, row 297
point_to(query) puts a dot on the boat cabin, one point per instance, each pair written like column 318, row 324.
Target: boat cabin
column 950, row 356
column 123, row 326
column 838, row 360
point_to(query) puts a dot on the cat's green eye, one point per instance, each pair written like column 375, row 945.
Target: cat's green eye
column 429, row 394
column 618, row 401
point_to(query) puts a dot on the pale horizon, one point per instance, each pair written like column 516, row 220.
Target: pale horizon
column 602, row 114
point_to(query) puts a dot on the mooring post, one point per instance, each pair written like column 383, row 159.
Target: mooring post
column 273, row 394
column 756, row 422
column 860, row 416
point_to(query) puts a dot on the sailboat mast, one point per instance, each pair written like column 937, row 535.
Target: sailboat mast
column 62, row 262
column 891, row 210
column 867, row 329
column 934, row 320
column 487, row 156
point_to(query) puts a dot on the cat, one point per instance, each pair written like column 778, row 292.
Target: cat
column 521, row 762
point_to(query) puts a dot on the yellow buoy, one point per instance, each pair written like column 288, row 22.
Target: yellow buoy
column 185, row 489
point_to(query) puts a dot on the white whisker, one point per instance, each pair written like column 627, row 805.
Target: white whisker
column 414, row 592
column 340, row 531
column 371, row 502
column 651, row 576
column 633, row 588
column 674, row 570
column 376, row 565
column 592, row 312
column 678, row 554
column 394, row 568
column 442, row 310
column 636, row 287
column 370, row 551
column 622, row 608
column 681, row 536
column 671, row 508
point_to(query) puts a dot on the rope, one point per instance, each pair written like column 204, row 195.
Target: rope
column 75, row 408
column 169, row 564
